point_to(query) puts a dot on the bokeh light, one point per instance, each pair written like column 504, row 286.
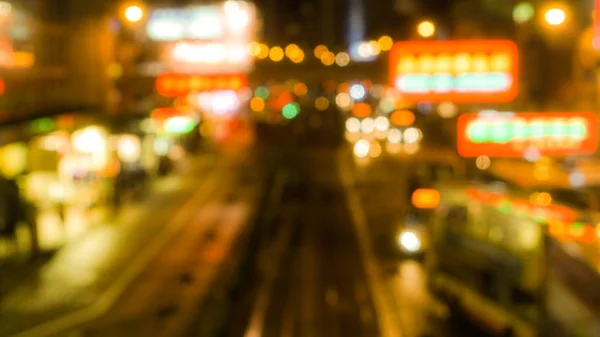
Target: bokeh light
column 343, row 100
column 322, row 103
column 483, row 162
column 353, row 124
column 394, row 136
column 300, row 89
column 342, row 59
column 257, row 104
column 367, row 125
column 411, row 148
column 328, row 58
column 276, row 54
column 374, row 47
column 412, row 135
column 261, row 92
column 362, row 148
column 254, row 48
column 523, row 12
column 426, row 29
column 375, row 150
column 357, row 91
column 263, row 52
column 447, row 110
column 290, row 49
column 385, row 43
column 555, row 16
column 134, row 13
column 382, row 123
column 291, row 110
column 320, row 50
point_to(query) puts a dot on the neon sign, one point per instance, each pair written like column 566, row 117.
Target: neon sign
column 173, row 85
column 458, row 71
column 213, row 22
column 514, row 134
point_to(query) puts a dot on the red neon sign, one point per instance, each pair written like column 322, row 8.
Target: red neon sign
column 173, row 85
column 458, row 71
column 514, row 134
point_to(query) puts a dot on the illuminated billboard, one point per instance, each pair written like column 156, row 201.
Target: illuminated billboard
column 457, row 71
column 174, row 85
column 232, row 19
column 516, row 134
column 202, row 57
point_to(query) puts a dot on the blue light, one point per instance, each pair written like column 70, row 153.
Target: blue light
column 357, row 91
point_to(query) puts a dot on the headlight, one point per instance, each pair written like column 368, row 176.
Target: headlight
column 409, row 242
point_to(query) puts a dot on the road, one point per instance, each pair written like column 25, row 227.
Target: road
column 291, row 237
column 136, row 267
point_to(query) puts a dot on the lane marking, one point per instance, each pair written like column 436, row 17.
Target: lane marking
column 117, row 288
column 386, row 315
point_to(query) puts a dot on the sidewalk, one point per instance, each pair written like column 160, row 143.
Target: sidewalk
column 86, row 265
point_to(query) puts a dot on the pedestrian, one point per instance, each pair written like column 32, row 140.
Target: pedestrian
column 14, row 209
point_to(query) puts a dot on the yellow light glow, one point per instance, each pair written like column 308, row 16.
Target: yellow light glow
column 462, row 63
column 257, row 104
column 23, row 59
column 320, row 50
column 276, row 54
column 500, row 62
column 134, row 13
column 427, row 63
column 297, row 56
column 385, row 43
column 13, row 159
column 407, row 65
column 129, row 148
column 328, row 58
column 426, row 29
column 480, row 63
column 254, row 48
column 444, row 63
column 374, row 48
column 291, row 49
column 263, row 52
column 115, row 70
column 555, row 16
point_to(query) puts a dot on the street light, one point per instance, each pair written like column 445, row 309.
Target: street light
column 555, row 16
column 134, row 13
column 426, row 29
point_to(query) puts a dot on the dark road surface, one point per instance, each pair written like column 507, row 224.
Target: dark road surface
column 265, row 245
column 315, row 285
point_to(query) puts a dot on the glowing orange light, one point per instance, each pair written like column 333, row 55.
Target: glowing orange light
column 402, row 118
column 257, row 104
column 300, row 89
column 173, row 85
column 362, row 110
column 426, row 198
